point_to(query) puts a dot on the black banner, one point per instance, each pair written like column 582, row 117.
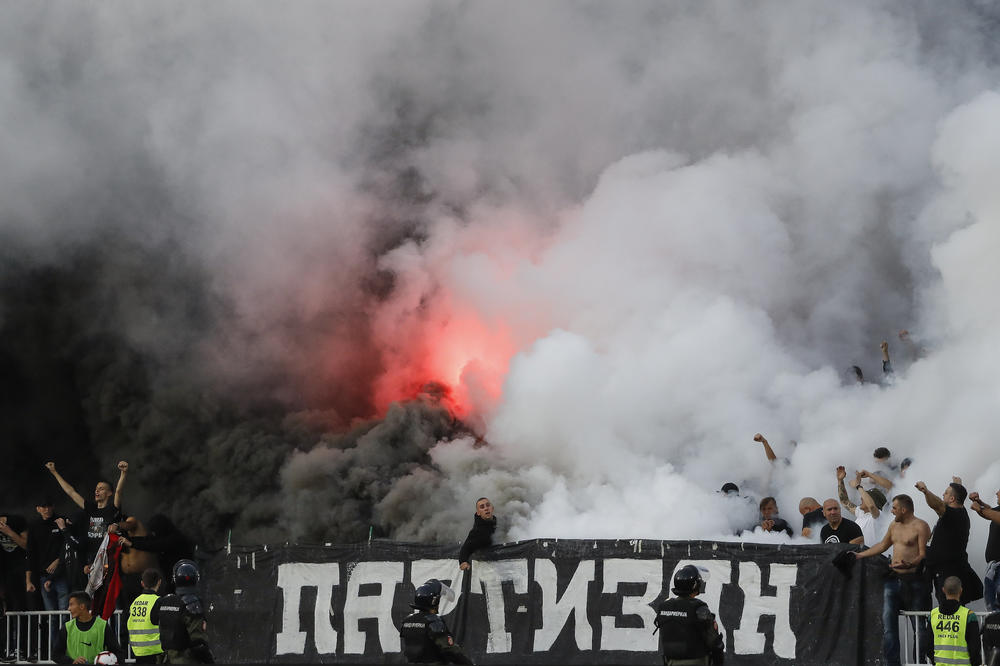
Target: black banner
column 540, row 602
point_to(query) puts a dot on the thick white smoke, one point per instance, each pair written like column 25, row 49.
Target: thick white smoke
column 686, row 221
column 694, row 298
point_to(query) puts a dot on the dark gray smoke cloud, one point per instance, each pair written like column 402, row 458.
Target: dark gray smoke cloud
column 225, row 230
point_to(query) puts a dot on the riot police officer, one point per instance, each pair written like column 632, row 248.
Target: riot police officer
column 426, row 639
column 688, row 631
column 183, row 634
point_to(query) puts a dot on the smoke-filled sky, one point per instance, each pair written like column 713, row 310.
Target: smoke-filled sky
column 271, row 254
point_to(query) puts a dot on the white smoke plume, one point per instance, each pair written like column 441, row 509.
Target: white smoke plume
column 630, row 235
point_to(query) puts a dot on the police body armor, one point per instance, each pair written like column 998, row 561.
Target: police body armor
column 682, row 626
column 173, row 631
column 990, row 630
column 178, row 612
column 418, row 633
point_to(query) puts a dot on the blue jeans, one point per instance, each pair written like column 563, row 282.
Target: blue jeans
column 990, row 587
column 904, row 593
column 56, row 598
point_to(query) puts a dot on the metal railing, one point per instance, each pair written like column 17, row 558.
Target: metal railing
column 27, row 631
column 906, row 647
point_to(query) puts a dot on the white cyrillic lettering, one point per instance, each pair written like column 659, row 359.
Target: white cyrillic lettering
column 555, row 612
column 632, row 571
column 746, row 639
column 379, row 606
column 486, row 579
column 292, row 577
column 446, row 571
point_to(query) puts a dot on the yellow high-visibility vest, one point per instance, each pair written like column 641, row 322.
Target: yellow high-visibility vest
column 142, row 633
column 949, row 636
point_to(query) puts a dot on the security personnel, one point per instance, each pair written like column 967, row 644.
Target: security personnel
column 143, row 633
column 688, row 631
column 183, row 630
column 426, row 639
column 991, row 639
column 956, row 628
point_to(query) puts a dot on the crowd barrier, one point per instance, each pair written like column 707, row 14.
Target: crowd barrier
column 27, row 631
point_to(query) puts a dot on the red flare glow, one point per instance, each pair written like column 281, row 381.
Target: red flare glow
column 462, row 355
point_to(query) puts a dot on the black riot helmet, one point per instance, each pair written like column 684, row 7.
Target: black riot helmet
column 428, row 595
column 186, row 574
column 688, row 581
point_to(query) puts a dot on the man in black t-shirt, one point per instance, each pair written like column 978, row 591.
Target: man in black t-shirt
column 100, row 511
column 991, row 584
column 946, row 552
column 839, row 529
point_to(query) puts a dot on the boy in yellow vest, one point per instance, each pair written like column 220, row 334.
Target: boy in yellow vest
column 143, row 633
column 84, row 636
column 956, row 628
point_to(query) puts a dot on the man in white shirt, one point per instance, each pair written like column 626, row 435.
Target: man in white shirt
column 868, row 515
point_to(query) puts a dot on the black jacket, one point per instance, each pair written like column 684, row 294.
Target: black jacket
column 45, row 544
column 480, row 536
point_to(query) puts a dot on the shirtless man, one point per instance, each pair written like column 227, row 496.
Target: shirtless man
column 904, row 588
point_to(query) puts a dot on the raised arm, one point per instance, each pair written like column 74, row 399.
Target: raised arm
column 68, row 489
column 878, row 479
column 842, row 491
column 123, row 467
column 933, row 501
column 767, row 447
column 983, row 509
column 868, row 502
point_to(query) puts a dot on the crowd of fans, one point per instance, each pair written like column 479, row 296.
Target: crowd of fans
column 925, row 563
column 95, row 551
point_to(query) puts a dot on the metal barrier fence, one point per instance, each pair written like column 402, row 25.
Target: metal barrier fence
column 32, row 634
column 29, row 625
column 908, row 647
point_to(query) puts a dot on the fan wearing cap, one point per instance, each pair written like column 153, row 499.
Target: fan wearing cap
column 425, row 636
column 689, row 633
column 868, row 515
column 44, row 569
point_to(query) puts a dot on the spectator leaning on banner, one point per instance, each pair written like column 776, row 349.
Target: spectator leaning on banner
column 769, row 518
column 101, row 511
column 481, row 534
column 904, row 587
